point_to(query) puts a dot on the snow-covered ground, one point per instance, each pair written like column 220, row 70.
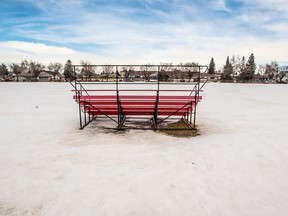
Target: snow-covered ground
column 237, row 166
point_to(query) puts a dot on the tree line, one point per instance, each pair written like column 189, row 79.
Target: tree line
column 237, row 69
column 164, row 72
column 29, row 69
column 86, row 71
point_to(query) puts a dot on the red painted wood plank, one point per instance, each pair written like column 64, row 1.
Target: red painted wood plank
column 139, row 113
column 136, row 103
column 133, row 90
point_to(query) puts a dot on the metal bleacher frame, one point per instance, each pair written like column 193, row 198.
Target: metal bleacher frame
column 157, row 108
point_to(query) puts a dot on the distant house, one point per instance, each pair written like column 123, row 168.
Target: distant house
column 259, row 78
column 45, row 76
column 111, row 77
column 216, row 77
column 136, row 76
column 131, row 76
column 153, row 76
column 6, row 78
column 25, row 77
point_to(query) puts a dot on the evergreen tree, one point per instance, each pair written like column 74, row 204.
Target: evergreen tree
column 242, row 69
column 211, row 69
column 227, row 71
column 68, row 71
column 248, row 70
column 250, row 67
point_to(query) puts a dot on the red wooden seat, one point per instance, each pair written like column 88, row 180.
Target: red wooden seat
column 137, row 103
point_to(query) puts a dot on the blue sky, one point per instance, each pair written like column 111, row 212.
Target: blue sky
column 143, row 31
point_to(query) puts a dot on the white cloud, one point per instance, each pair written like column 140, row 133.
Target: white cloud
column 279, row 28
column 279, row 5
column 200, row 49
column 16, row 51
column 219, row 5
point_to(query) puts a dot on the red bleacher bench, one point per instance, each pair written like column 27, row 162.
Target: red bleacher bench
column 138, row 105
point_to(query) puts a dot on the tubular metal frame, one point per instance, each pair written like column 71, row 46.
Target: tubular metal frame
column 85, row 117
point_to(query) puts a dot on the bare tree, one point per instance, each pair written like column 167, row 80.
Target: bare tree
column 31, row 69
column 87, row 70
column 16, row 69
column 25, row 69
column 261, row 69
column 36, row 68
column 107, row 70
column 3, row 70
column 55, row 68
column 177, row 73
column 283, row 71
column 236, row 65
column 147, row 70
column 127, row 71
column 191, row 69
column 165, row 69
column 271, row 70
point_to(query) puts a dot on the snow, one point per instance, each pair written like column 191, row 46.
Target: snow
column 237, row 166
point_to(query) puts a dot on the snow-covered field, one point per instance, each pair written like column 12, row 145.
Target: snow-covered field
column 237, row 166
